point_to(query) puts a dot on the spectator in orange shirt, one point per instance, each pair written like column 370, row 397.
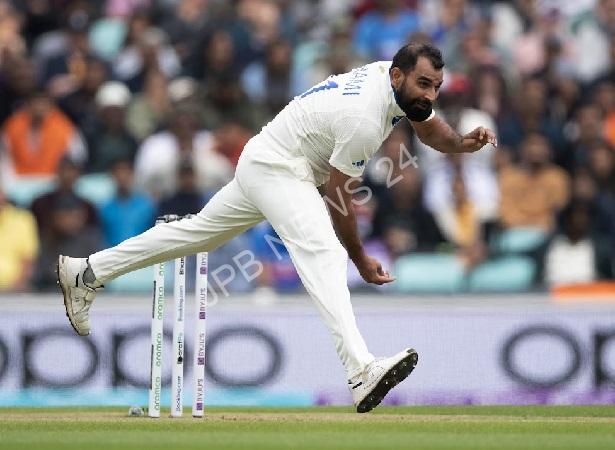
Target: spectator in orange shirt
column 534, row 191
column 38, row 135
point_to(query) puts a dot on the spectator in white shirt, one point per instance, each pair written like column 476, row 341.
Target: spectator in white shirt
column 161, row 154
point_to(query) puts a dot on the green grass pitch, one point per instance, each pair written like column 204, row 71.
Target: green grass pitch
column 450, row 428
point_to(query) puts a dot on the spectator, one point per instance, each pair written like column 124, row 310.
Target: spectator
column 402, row 220
column 592, row 38
column 64, row 72
column 476, row 51
column 129, row 213
column 530, row 114
column 608, row 75
column 38, row 136
column 601, row 169
column 12, row 45
column 534, row 191
column 17, row 84
column 604, row 97
column 80, row 105
column 266, row 22
column 42, row 207
column 461, row 223
column 314, row 61
column 476, row 169
column 511, row 20
column 188, row 20
column 490, row 92
column 160, row 156
column 68, row 234
column 576, row 254
column 146, row 51
column 586, row 131
column 213, row 58
column 231, row 138
column 186, row 199
column 447, row 22
column 147, row 112
column 225, row 99
column 40, row 17
column 269, row 83
column 18, row 246
column 110, row 140
column 380, row 33
column 126, row 8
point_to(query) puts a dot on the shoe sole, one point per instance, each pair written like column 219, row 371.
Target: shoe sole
column 65, row 295
column 395, row 375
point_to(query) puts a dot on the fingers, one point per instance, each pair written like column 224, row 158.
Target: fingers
column 485, row 136
column 377, row 275
column 481, row 134
column 382, row 278
column 372, row 272
column 492, row 138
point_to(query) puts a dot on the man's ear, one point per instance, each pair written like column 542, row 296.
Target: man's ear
column 397, row 77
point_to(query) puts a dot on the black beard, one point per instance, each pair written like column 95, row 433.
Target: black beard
column 416, row 110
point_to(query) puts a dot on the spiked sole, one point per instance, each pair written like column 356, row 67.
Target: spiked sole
column 65, row 295
column 396, row 374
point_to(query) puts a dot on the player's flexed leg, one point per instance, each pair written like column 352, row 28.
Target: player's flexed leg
column 328, row 134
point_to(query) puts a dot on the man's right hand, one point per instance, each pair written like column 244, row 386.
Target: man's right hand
column 372, row 272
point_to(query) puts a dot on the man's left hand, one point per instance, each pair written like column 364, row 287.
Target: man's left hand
column 477, row 139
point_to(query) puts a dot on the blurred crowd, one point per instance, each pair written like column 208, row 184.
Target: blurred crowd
column 158, row 98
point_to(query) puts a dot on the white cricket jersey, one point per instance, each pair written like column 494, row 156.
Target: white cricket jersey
column 340, row 122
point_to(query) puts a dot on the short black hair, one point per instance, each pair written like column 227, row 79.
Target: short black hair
column 406, row 57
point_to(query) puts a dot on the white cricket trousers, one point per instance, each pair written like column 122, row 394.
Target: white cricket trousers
column 279, row 189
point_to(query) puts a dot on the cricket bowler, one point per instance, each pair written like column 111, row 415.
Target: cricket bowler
column 322, row 138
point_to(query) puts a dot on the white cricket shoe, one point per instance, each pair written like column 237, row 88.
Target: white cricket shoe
column 378, row 378
column 77, row 296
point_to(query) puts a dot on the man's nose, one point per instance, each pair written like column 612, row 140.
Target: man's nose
column 430, row 94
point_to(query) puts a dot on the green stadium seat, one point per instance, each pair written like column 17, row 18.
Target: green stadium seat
column 520, row 240
column 24, row 190
column 138, row 281
column 99, row 188
column 506, row 274
column 429, row 273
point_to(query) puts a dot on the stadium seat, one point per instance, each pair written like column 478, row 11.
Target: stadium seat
column 25, row 189
column 138, row 281
column 520, row 240
column 506, row 274
column 98, row 188
column 435, row 273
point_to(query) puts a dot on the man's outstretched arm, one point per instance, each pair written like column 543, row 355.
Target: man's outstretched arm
column 345, row 223
column 439, row 135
